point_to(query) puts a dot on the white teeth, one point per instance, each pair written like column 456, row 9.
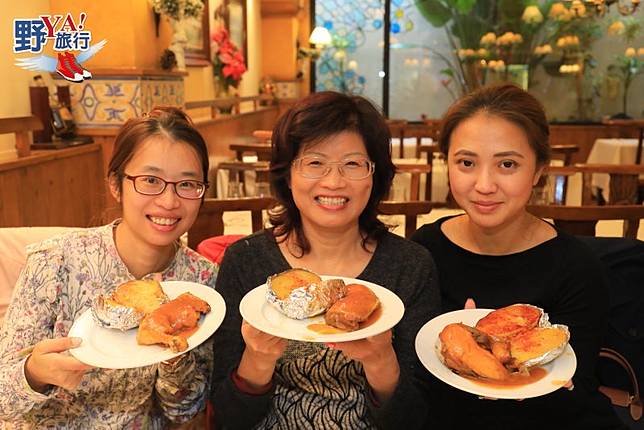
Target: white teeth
column 163, row 221
column 337, row 201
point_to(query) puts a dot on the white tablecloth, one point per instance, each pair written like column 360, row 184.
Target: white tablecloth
column 611, row 151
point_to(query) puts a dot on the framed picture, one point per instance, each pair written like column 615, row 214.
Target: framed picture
column 234, row 14
column 198, row 34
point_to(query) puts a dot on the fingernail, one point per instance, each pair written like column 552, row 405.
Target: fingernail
column 76, row 341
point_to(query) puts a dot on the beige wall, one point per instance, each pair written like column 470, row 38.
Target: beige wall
column 14, row 82
column 132, row 43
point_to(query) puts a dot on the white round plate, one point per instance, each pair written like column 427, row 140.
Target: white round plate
column 559, row 371
column 264, row 316
column 115, row 349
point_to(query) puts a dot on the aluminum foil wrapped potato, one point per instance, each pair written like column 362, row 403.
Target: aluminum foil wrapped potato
column 300, row 294
column 125, row 306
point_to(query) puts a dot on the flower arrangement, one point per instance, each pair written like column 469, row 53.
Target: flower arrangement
column 228, row 60
column 178, row 9
column 630, row 64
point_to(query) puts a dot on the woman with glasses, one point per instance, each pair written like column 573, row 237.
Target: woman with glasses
column 330, row 168
column 157, row 174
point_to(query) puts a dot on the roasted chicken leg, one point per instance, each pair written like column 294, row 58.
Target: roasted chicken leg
column 165, row 323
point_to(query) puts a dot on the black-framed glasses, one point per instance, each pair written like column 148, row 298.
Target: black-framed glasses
column 150, row 185
column 315, row 167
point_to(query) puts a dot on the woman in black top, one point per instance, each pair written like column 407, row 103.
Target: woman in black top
column 331, row 166
column 497, row 254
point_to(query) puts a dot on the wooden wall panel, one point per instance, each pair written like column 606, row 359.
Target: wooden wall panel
column 53, row 188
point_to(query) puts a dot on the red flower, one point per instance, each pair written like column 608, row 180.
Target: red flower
column 228, row 60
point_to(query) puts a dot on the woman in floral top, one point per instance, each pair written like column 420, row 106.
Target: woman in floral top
column 157, row 174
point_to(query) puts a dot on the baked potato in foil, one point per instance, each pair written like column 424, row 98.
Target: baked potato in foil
column 538, row 346
column 126, row 305
column 300, row 294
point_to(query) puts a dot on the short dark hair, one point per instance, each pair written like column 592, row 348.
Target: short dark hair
column 160, row 121
column 311, row 120
column 505, row 101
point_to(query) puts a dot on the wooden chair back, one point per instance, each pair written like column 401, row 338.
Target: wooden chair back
column 430, row 150
column 22, row 128
column 410, row 210
column 415, row 170
column 237, row 169
column 623, row 185
column 397, row 131
column 210, row 220
column 582, row 220
column 564, row 153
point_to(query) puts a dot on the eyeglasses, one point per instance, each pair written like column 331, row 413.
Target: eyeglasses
column 149, row 185
column 314, row 167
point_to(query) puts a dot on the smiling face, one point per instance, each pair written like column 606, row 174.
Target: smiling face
column 332, row 201
column 157, row 221
column 492, row 169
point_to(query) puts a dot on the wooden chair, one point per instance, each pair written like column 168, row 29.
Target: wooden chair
column 22, row 128
column 410, row 210
column 582, row 220
column 623, row 185
column 415, row 170
column 557, row 178
column 564, row 153
column 210, row 221
column 397, row 130
column 237, row 169
column 430, row 150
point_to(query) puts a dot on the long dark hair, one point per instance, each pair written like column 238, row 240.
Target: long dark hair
column 161, row 121
column 311, row 120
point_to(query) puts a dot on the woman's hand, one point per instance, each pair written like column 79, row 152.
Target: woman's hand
column 379, row 361
column 262, row 352
column 47, row 365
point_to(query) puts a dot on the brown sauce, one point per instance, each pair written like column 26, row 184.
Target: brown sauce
column 515, row 379
column 322, row 328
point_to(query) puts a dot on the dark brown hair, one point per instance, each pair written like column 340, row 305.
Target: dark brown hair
column 505, row 101
column 161, row 121
column 310, row 121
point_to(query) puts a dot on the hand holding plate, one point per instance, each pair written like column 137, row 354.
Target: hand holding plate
column 48, row 365
column 260, row 356
column 379, row 360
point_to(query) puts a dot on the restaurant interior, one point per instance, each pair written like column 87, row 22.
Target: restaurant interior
column 236, row 65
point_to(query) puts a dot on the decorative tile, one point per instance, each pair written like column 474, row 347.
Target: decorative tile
column 110, row 101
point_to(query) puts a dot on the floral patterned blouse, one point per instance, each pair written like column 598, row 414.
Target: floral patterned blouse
column 61, row 277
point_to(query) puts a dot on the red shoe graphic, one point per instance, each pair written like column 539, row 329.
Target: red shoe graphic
column 64, row 70
column 76, row 67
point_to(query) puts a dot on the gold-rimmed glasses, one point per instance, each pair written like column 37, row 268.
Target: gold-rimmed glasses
column 315, row 167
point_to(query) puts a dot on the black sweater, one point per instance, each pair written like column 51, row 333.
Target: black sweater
column 315, row 387
column 561, row 276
